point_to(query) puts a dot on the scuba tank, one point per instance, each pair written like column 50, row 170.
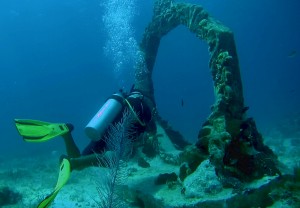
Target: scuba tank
column 105, row 116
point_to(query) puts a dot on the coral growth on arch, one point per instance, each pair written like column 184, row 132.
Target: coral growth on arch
column 229, row 138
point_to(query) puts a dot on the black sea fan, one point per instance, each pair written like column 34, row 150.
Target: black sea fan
column 119, row 144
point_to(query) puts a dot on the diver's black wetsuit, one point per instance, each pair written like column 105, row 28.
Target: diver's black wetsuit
column 138, row 103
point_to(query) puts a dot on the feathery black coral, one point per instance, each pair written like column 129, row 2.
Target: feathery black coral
column 119, row 143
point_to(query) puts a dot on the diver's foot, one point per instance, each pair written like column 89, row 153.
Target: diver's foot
column 65, row 157
column 70, row 127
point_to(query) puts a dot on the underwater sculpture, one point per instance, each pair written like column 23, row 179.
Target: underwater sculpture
column 228, row 138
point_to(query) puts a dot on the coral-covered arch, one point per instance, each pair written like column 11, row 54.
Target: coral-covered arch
column 227, row 122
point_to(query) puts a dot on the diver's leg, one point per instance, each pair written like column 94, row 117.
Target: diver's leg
column 85, row 161
column 71, row 147
column 99, row 160
column 93, row 155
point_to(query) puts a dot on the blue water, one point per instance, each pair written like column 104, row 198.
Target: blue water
column 53, row 65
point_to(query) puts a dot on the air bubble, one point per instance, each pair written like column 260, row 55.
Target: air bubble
column 121, row 46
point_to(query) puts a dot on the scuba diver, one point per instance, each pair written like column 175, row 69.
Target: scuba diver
column 141, row 107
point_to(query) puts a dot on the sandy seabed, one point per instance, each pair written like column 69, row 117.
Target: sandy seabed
column 35, row 177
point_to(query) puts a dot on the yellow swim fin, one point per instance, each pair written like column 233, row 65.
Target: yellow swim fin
column 63, row 177
column 39, row 131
